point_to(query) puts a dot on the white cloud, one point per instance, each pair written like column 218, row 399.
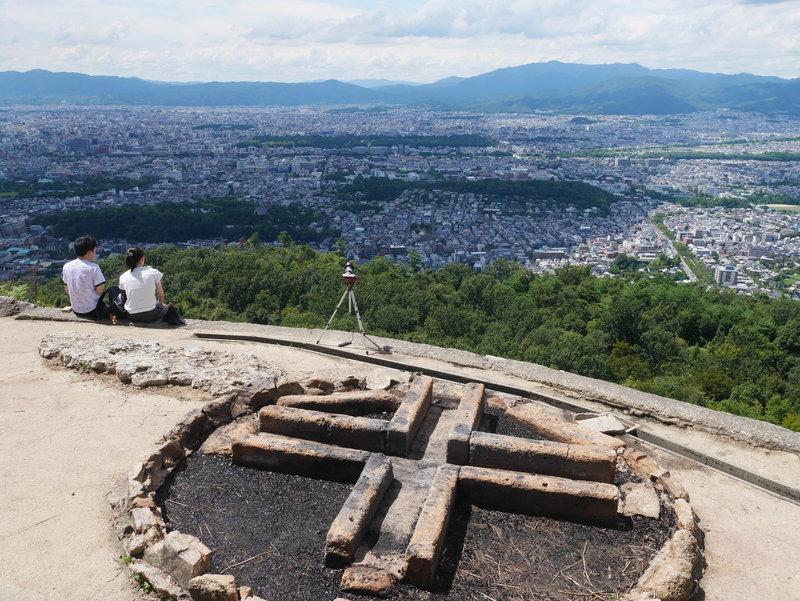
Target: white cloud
column 68, row 36
column 401, row 39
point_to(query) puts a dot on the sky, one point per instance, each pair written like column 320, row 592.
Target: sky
column 408, row 40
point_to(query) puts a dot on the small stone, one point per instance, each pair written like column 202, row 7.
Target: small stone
column 245, row 592
column 367, row 580
column 684, row 516
column 640, row 499
column 607, row 424
column 643, row 465
column 161, row 583
column 384, row 379
column 349, row 382
column 213, row 587
column 324, row 385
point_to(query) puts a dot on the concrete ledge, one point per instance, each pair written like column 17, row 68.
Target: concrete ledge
column 352, row 432
column 301, row 457
column 425, row 548
column 350, row 525
column 537, row 420
column 591, row 502
column 578, row 462
column 467, row 418
column 409, row 416
column 357, row 402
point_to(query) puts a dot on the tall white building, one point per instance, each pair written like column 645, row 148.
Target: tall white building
column 726, row 276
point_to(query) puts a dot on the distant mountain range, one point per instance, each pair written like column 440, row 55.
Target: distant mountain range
column 614, row 89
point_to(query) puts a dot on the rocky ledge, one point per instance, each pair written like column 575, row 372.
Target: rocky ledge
column 146, row 363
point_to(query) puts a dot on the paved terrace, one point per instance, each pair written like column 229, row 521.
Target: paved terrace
column 67, row 435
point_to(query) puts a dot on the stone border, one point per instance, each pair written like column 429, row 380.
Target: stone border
column 175, row 562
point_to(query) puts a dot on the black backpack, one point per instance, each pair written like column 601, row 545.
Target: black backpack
column 116, row 301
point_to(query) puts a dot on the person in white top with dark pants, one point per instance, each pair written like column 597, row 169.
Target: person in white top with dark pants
column 84, row 282
column 142, row 286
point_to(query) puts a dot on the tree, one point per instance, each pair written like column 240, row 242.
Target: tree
column 284, row 239
column 414, row 261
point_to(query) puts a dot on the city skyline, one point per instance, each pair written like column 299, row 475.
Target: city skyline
column 408, row 40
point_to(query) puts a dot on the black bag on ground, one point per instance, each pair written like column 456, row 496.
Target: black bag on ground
column 173, row 318
column 116, row 301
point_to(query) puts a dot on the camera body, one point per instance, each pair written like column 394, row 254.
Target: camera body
column 349, row 276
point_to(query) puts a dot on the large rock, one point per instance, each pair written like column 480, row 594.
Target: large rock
column 147, row 363
column 366, row 580
column 9, row 306
column 213, row 587
column 670, row 576
column 182, row 556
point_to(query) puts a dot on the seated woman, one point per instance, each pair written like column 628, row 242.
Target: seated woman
column 142, row 286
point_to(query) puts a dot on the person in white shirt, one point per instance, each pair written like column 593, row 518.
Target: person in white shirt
column 84, row 282
column 142, row 286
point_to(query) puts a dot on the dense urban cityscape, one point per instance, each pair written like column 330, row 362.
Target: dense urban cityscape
column 651, row 165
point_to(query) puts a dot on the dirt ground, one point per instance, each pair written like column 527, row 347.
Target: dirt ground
column 68, row 435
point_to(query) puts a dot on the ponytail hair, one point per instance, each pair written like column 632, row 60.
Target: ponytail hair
column 133, row 256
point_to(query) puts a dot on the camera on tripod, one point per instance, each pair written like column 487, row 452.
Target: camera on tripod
column 349, row 280
column 349, row 276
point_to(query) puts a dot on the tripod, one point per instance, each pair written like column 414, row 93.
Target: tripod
column 351, row 295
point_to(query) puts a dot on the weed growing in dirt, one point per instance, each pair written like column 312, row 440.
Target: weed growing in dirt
column 143, row 584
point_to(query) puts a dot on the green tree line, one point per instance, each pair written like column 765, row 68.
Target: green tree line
column 61, row 189
column 180, row 221
column 579, row 194
column 684, row 341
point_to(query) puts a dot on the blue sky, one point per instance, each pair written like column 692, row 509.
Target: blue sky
column 412, row 40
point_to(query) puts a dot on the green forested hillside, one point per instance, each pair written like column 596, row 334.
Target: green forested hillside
column 223, row 218
column 708, row 347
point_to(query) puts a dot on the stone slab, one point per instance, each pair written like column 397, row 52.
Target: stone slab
column 535, row 419
column 409, row 416
column 546, row 458
column 356, row 402
column 591, row 502
column 348, row 529
column 352, row 432
column 467, row 418
column 425, row 549
column 367, row 580
column 302, row 457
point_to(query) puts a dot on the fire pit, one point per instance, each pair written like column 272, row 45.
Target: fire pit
column 424, row 494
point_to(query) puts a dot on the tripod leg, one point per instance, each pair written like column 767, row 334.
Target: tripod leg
column 360, row 325
column 341, row 300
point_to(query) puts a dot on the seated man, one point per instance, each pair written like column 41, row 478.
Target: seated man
column 84, row 281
